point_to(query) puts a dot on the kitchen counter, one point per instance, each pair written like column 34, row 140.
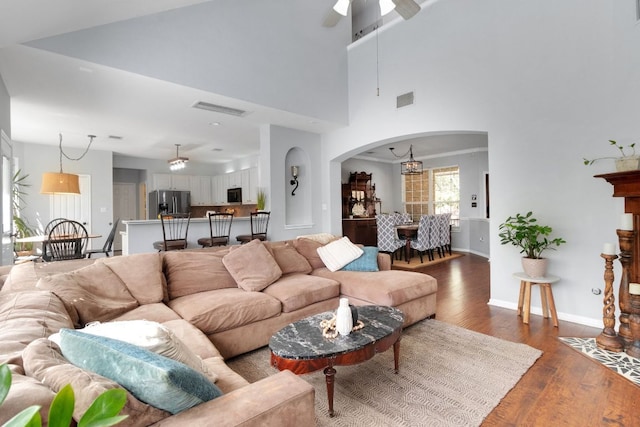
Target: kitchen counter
column 139, row 235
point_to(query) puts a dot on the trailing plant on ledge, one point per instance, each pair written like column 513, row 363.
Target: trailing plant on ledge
column 620, row 148
column 524, row 232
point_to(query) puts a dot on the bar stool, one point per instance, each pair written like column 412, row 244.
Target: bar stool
column 546, row 296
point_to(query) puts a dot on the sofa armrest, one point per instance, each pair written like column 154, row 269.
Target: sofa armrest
column 384, row 261
column 283, row 399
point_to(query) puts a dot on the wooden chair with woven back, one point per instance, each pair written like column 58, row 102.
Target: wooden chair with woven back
column 67, row 240
column 259, row 225
column 219, row 230
column 175, row 227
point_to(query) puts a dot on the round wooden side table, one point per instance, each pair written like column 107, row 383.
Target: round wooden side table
column 546, row 296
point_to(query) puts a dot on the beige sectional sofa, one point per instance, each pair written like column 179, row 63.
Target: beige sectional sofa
column 220, row 302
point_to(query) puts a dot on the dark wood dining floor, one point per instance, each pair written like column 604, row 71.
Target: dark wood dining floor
column 564, row 387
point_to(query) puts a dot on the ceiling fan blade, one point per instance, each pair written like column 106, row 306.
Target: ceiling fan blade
column 406, row 8
column 331, row 19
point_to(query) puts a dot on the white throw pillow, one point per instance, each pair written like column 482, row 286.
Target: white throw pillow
column 339, row 253
column 151, row 336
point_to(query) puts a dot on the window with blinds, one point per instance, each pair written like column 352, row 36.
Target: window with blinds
column 434, row 191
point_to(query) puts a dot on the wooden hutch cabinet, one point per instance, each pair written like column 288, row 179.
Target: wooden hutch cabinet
column 359, row 209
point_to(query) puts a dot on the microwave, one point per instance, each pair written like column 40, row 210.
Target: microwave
column 234, row 195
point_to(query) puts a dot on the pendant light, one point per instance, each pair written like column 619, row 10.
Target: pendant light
column 411, row 166
column 60, row 182
column 178, row 162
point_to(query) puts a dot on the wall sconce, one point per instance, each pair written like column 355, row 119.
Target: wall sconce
column 295, row 171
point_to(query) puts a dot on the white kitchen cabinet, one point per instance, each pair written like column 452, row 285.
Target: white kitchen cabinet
column 235, row 179
column 167, row 181
column 221, row 184
column 200, row 187
column 249, row 185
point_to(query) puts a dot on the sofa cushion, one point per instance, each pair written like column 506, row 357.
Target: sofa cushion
column 368, row 261
column 322, row 238
column 26, row 316
column 309, row 249
column 223, row 309
column 189, row 272
column 288, row 258
column 25, row 391
column 141, row 273
column 339, row 253
column 44, row 362
column 297, row 291
column 93, row 293
column 24, row 276
column 157, row 312
column 252, row 266
column 391, row 287
column 150, row 336
column 157, row 380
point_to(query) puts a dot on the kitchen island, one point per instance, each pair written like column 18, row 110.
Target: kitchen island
column 139, row 235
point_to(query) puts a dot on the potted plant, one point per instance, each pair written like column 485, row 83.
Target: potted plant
column 21, row 226
column 625, row 162
column 261, row 199
column 532, row 238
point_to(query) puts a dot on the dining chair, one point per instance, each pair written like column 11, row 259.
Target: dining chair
column 444, row 234
column 259, row 225
column 175, row 227
column 219, row 230
column 108, row 244
column 388, row 242
column 67, row 239
column 46, row 255
column 425, row 243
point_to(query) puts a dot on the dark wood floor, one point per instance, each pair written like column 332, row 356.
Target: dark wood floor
column 563, row 388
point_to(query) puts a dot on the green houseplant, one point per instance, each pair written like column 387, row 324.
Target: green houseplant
column 627, row 160
column 261, row 199
column 21, row 226
column 524, row 232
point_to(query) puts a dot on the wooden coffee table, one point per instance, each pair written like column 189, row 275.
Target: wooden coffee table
column 301, row 348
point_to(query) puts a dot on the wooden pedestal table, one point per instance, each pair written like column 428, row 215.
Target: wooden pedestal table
column 407, row 232
column 546, row 296
column 301, row 347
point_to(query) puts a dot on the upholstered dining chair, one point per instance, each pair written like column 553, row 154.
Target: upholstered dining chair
column 219, row 229
column 444, row 234
column 427, row 237
column 388, row 241
column 66, row 240
column 175, row 227
column 259, row 225
column 108, row 244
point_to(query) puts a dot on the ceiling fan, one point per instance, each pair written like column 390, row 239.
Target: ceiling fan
column 405, row 8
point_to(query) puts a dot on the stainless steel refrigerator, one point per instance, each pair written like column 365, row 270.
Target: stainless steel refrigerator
column 168, row 201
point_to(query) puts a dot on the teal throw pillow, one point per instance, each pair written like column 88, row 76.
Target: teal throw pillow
column 368, row 261
column 157, row 380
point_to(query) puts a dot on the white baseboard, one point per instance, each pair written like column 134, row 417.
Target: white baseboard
column 586, row 321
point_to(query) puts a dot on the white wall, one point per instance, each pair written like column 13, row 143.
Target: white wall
column 5, row 108
column 39, row 158
column 549, row 81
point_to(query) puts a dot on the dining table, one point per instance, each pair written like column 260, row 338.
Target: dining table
column 408, row 232
column 45, row 239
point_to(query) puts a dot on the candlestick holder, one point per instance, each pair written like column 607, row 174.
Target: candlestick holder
column 625, row 241
column 608, row 339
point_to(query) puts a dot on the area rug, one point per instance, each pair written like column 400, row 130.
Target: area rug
column 621, row 363
column 414, row 263
column 449, row 376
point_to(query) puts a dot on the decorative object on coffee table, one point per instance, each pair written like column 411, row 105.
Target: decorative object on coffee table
column 382, row 329
column 344, row 321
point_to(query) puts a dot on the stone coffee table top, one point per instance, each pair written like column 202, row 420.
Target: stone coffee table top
column 304, row 340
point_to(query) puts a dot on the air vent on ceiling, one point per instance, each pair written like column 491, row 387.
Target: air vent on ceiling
column 404, row 100
column 118, row 137
column 219, row 109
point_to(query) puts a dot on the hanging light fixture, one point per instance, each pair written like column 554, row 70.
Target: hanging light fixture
column 178, row 162
column 411, row 166
column 60, row 182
